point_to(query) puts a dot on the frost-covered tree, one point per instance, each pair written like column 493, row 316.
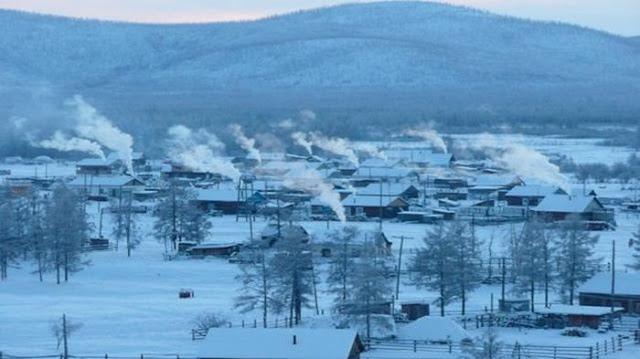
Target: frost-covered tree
column 486, row 347
column 257, row 278
column 125, row 225
column 194, row 223
column 291, row 265
column 369, row 283
column 534, row 260
column 574, row 250
column 10, row 239
column 341, row 262
column 178, row 219
column 635, row 239
column 35, row 233
column 466, row 265
column 67, row 232
column 432, row 266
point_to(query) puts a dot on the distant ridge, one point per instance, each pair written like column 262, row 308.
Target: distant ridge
column 374, row 63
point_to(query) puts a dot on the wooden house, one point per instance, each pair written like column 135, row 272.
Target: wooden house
column 109, row 185
column 276, row 343
column 374, row 207
column 99, row 166
column 588, row 209
column 530, row 196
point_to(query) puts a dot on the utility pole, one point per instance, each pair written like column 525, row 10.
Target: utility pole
column 504, row 277
column 613, row 273
column 64, row 336
column 402, row 238
column 381, row 209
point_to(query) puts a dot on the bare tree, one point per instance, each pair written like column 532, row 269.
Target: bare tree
column 62, row 330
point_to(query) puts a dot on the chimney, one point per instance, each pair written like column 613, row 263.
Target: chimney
column 295, row 339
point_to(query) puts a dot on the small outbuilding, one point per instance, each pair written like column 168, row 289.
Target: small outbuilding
column 597, row 291
column 562, row 315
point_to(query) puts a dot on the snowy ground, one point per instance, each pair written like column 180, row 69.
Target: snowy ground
column 130, row 305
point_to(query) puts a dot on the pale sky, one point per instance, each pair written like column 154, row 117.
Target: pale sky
column 615, row 16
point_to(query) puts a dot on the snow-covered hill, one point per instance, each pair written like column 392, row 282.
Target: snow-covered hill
column 432, row 58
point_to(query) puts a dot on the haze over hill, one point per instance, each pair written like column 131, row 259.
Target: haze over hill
column 368, row 64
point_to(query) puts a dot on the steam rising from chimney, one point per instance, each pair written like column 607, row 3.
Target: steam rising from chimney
column 92, row 125
column 520, row 159
column 310, row 181
column 59, row 141
column 199, row 151
column 429, row 135
column 370, row 149
column 247, row 144
column 301, row 139
column 336, row 145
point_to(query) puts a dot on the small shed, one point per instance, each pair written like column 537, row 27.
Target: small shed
column 371, row 207
column 597, row 291
column 576, row 315
column 214, row 249
column 415, row 309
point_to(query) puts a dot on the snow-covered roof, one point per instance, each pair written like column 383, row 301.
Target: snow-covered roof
column 432, row 329
column 105, row 181
column 111, row 159
column 216, row 195
column 369, row 201
column 388, row 189
column 490, row 180
column 533, row 191
column 565, row 204
column 385, row 172
column 565, row 309
column 416, row 155
column 626, row 284
column 378, row 162
column 258, row 343
column 209, row 245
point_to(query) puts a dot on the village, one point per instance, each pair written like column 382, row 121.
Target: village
column 374, row 250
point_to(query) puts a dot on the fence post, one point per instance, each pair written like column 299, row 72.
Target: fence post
column 141, row 356
column 243, row 323
column 255, row 323
column 106, row 356
column 619, row 342
column 597, row 350
column 605, row 346
column 0, row 355
column 590, row 352
column 450, row 347
column 613, row 344
column 555, row 352
column 415, row 346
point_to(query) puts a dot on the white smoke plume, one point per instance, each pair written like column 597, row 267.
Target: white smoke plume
column 520, row 159
column 336, row 145
column 302, row 140
column 429, row 135
column 370, row 149
column 199, row 151
column 92, row 125
column 307, row 115
column 59, row 141
column 247, row 144
column 310, row 181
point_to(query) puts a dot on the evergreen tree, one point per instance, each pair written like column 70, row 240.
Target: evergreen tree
column 534, row 261
column 291, row 266
column 466, row 265
column 432, row 266
column 10, row 239
column 341, row 262
column 369, row 284
column 574, row 256
column 67, row 232
column 125, row 222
